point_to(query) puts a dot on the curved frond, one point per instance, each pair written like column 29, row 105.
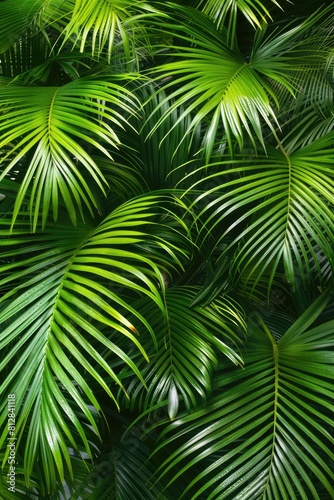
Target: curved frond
column 58, row 294
column 234, row 94
column 188, row 350
column 123, row 471
column 310, row 124
column 268, row 432
column 279, row 209
column 104, row 26
column 225, row 13
column 54, row 129
column 213, row 83
column 15, row 20
column 166, row 186
column 162, row 158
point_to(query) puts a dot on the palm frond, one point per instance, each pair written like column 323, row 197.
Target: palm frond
column 25, row 54
column 105, row 27
column 161, row 158
column 53, row 129
column 275, row 210
column 314, row 122
column 58, row 293
column 213, row 83
column 15, row 20
column 269, row 429
column 188, row 350
column 166, row 185
column 225, row 13
column 121, row 471
column 236, row 96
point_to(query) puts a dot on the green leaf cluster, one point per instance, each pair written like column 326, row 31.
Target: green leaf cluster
column 166, row 250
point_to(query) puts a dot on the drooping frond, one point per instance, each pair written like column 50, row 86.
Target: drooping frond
column 56, row 130
column 234, row 94
column 268, row 432
column 225, row 13
column 188, row 350
column 58, row 292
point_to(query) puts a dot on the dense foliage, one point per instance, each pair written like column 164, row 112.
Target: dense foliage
column 166, row 249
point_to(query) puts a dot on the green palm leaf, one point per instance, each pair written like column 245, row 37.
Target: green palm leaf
column 106, row 26
column 314, row 122
column 112, row 303
column 123, row 472
column 268, row 431
column 56, row 127
column 59, row 293
column 213, row 82
column 15, row 20
column 188, row 350
column 285, row 201
column 254, row 11
column 161, row 158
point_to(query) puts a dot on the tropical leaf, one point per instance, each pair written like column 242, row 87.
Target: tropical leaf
column 122, row 470
column 314, row 122
column 225, row 13
column 188, row 350
column 105, row 27
column 164, row 157
column 15, row 20
column 59, row 292
column 64, row 123
column 232, row 115
column 30, row 17
column 213, row 82
column 268, row 431
column 209, row 77
column 288, row 213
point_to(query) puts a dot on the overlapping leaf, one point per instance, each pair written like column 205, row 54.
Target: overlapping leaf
column 236, row 95
column 102, row 25
column 254, row 11
column 15, row 20
column 73, row 300
column 188, row 350
column 268, row 432
column 212, row 82
column 59, row 291
column 55, row 130
column 276, row 209
column 122, row 471
column 96, row 25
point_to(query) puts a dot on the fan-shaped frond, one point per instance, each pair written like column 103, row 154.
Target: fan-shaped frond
column 225, row 13
column 54, row 129
column 120, row 471
column 213, row 83
column 103, row 25
column 236, row 96
column 312, row 123
column 15, row 20
column 162, row 158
